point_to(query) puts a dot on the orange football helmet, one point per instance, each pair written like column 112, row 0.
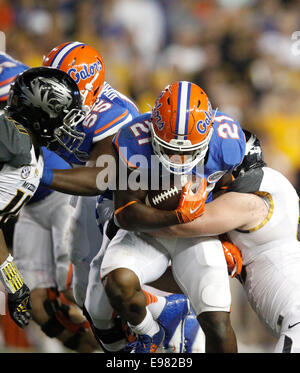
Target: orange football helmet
column 181, row 123
column 84, row 64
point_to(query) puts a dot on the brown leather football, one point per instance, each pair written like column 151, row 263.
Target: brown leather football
column 168, row 198
column 164, row 199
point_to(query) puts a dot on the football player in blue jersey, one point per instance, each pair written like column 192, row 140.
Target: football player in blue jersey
column 188, row 137
column 107, row 110
column 9, row 69
column 226, row 128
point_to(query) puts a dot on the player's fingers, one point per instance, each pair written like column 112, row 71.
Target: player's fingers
column 234, row 271
column 187, row 188
column 25, row 318
column 185, row 193
column 239, row 265
column 19, row 320
column 28, row 315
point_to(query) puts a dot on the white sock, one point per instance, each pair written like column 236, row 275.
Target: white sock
column 156, row 307
column 148, row 326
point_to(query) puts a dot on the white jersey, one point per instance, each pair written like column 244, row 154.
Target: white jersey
column 281, row 225
column 17, row 185
column 271, row 258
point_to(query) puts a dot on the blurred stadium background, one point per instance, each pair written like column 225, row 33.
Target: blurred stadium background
column 243, row 53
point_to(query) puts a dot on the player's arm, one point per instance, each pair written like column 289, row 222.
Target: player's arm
column 228, row 212
column 18, row 294
column 101, row 148
column 131, row 213
column 85, row 181
column 80, row 181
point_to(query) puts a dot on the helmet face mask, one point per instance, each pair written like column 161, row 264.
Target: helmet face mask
column 181, row 127
column 68, row 137
column 84, row 64
column 46, row 101
column 179, row 159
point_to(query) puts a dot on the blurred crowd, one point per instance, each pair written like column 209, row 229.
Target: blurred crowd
column 243, row 53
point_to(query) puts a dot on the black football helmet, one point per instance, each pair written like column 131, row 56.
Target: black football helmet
column 47, row 101
column 253, row 155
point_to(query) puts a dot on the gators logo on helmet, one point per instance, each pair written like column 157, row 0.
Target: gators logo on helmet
column 84, row 64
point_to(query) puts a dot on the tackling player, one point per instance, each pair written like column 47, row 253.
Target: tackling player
column 20, row 164
column 260, row 214
column 21, row 169
column 63, row 94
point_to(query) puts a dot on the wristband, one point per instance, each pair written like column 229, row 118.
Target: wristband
column 10, row 276
column 47, row 177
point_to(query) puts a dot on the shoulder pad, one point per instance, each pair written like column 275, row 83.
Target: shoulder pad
column 15, row 143
column 249, row 182
column 228, row 141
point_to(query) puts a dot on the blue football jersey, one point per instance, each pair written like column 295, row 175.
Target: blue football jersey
column 9, row 69
column 51, row 160
column 111, row 111
column 226, row 148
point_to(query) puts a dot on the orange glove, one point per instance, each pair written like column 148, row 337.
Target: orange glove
column 233, row 258
column 191, row 205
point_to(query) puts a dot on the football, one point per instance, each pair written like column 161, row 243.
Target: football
column 168, row 198
column 164, row 199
